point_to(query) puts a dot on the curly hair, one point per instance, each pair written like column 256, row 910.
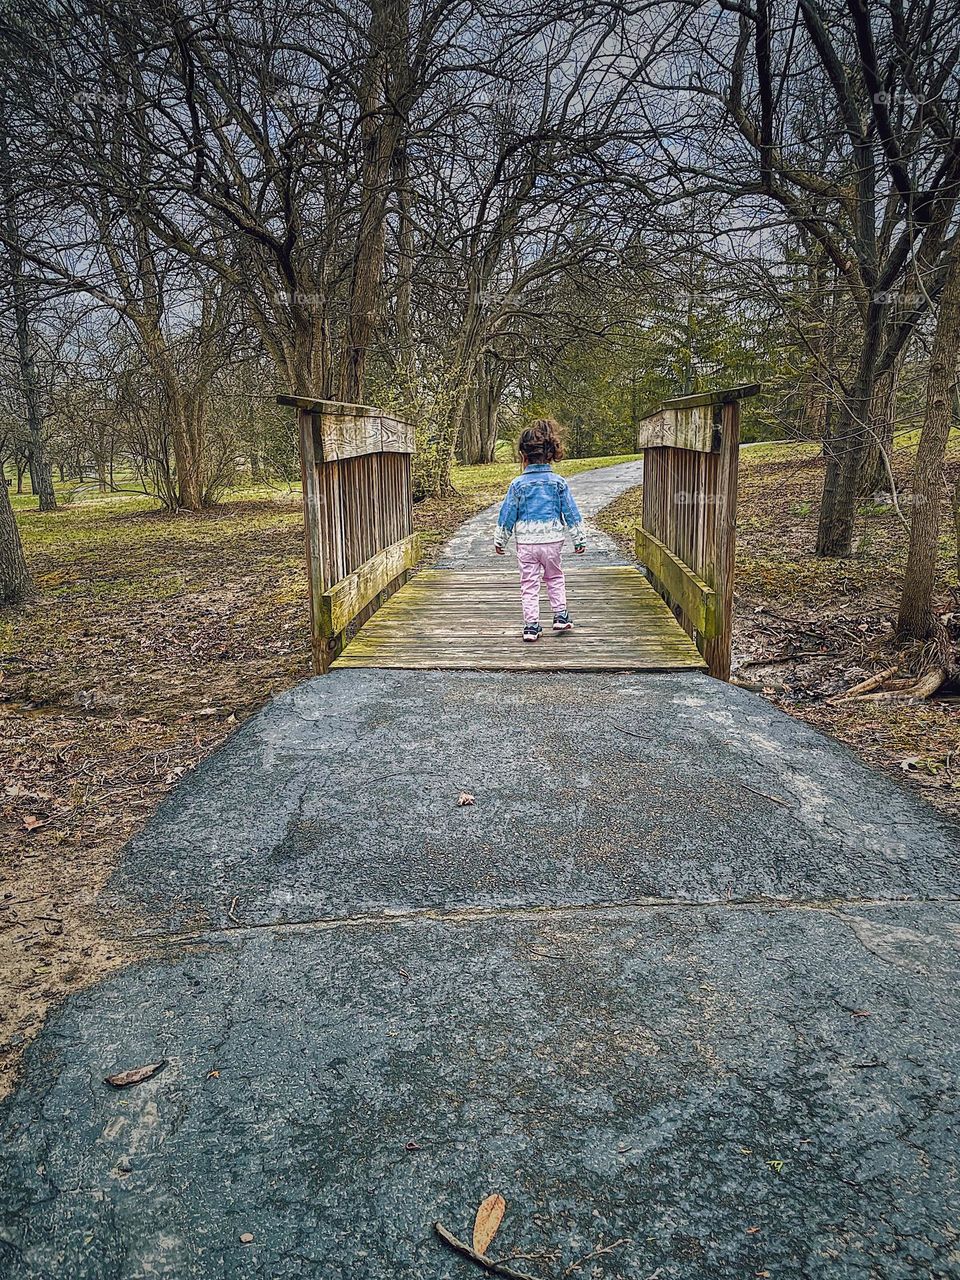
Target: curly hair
column 541, row 442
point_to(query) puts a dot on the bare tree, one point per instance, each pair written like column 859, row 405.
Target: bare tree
column 844, row 118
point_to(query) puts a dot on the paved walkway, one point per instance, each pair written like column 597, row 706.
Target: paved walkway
column 682, row 985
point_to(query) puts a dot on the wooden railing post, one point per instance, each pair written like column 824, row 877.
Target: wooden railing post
column 316, row 572
column 358, row 513
column 688, row 536
column 717, row 650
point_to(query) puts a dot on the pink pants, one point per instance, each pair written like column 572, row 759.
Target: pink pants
column 541, row 561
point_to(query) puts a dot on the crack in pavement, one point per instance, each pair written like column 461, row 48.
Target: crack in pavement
column 474, row 915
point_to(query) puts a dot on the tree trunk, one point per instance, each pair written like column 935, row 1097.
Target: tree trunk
column 40, row 471
column 876, row 478
column 469, row 443
column 820, row 332
column 384, row 82
column 847, row 450
column 916, row 618
column 403, row 286
column 187, row 456
column 439, row 481
column 490, row 389
column 15, row 581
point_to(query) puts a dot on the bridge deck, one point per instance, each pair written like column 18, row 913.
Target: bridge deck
column 470, row 619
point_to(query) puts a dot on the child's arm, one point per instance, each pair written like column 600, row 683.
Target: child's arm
column 506, row 519
column 572, row 518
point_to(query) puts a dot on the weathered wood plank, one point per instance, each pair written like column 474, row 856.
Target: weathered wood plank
column 690, row 422
column 691, row 428
column 348, row 435
column 325, row 406
column 397, row 436
column 454, row 620
column 722, row 395
column 685, row 588
column 717, row 649
column 354, row 430
column 344, row 600
column 313, row 543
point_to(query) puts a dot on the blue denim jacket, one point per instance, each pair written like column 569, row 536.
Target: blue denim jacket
column 538, row 507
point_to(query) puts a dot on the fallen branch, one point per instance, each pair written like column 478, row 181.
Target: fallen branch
column 925, row 687
column 488, row 1264
column 776, row 799
column 871, row 682
column 779, row 659
column 595, row 1253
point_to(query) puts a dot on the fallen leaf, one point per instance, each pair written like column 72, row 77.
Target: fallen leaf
column 752, row 1231
column 488, row 1219
column 465, row 798
column 213, row 1075
column 33, row 823
column 136, row 1075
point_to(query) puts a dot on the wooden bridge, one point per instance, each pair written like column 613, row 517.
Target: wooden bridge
column 370, row 609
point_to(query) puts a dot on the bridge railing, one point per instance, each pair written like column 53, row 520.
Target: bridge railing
column 358, row 510
column 687, row 538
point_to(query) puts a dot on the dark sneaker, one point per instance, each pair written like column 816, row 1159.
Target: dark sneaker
column 562, row 621
column 531, row 631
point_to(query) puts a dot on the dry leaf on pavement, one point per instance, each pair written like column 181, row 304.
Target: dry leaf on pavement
column 136, row 1075
column 488, row 1219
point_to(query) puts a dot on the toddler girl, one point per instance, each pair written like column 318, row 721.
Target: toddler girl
column 539, row 506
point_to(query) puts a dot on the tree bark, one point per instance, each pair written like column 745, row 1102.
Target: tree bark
column 847, row 449
column 384, row 83
column 186, row 438
column 15, row 581
column 40, row 471
column 469, row 447
column 876, row 478
column 916, row 618
column 490, row 390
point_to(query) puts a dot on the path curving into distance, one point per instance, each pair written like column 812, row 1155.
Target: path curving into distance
column 593, row 490
column 708, row 1023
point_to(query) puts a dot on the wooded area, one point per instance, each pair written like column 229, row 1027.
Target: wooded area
column 470, row 214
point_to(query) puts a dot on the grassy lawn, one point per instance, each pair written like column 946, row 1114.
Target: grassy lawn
column 806, row 628
column 151, row 638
